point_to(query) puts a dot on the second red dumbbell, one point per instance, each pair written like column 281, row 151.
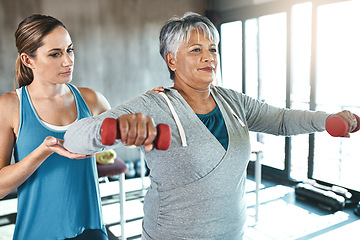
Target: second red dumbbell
column 336, row 126
column 110, row 132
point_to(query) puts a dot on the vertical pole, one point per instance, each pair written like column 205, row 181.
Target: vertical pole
column 258, row 182
column 122, row 200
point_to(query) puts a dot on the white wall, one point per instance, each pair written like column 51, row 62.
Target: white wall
column 115, row 41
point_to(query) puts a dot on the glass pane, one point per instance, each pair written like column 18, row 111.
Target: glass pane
column 272, row 59
column 265, row 48
column 251, row 56
column 301, row 53
column 300, row 79
column 338, row 52
column 231, row 55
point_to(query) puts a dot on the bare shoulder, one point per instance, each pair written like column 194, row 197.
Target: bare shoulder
column 87, row 92
column 95, row 100
column 8, row 101
column 91, row 96
column 9, row 108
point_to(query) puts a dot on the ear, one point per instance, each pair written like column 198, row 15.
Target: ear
column 27, row 60
column 170, row 61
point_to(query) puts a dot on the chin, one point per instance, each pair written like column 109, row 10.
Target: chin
column 211, row 80
column 65, row 80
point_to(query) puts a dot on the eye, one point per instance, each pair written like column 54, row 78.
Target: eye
column 70, row 50
column 196, row 50
column 54, row 55
column 213, row 50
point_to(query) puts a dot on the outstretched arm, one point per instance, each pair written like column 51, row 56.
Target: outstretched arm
column 262, row 117
column 135, row 129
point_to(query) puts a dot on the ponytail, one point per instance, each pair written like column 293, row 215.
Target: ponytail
column 24, row 75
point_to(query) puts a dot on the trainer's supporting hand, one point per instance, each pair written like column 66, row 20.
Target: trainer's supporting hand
column 56, row 145
column 342, row 124
column 136, row 129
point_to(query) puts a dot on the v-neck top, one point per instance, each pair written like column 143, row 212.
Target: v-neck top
column 197, row 189
column 61, row 198
column 214, row 121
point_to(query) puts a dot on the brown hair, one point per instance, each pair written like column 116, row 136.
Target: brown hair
column 29, row 37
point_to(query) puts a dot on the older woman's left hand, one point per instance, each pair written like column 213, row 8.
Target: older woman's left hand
column 350, row 119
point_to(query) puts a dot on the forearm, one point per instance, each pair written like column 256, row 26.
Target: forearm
column 299, row 122
column 84, row 136
column 12, row 176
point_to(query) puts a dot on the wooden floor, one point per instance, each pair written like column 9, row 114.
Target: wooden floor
column 281, row 216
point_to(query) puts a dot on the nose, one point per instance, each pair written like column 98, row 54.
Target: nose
column 68, row 60
column 208, row 56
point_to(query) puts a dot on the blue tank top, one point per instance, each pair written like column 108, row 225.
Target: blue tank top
column 61, row 198
column 214, row 121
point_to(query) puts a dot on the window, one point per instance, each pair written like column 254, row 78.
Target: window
column 231, row 50
column 297, row 59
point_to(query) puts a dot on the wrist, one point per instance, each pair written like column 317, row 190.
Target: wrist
column 45, row 150
column 47, row 144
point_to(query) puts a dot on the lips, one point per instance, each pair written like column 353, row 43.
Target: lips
column 68, row 73
column 207, row 69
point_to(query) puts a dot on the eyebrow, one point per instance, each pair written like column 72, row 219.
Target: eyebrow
column 197, row 44
column 59, row 49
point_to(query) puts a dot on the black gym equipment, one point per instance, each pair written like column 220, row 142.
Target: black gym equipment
column 331, row 198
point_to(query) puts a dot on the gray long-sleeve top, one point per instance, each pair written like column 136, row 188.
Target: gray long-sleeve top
column 197, row 191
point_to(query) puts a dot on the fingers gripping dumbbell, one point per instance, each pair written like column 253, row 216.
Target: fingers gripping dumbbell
column 110, row 132
column 336, row 126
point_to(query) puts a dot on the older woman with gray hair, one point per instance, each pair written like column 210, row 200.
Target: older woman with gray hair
column 198, row 185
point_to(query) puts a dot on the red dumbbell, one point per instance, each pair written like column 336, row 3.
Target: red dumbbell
column 336, row 126
column 110, row 132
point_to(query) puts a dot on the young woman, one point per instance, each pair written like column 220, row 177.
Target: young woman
column 58, row 192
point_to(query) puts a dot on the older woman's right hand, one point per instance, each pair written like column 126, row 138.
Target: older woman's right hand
column 137, row 129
